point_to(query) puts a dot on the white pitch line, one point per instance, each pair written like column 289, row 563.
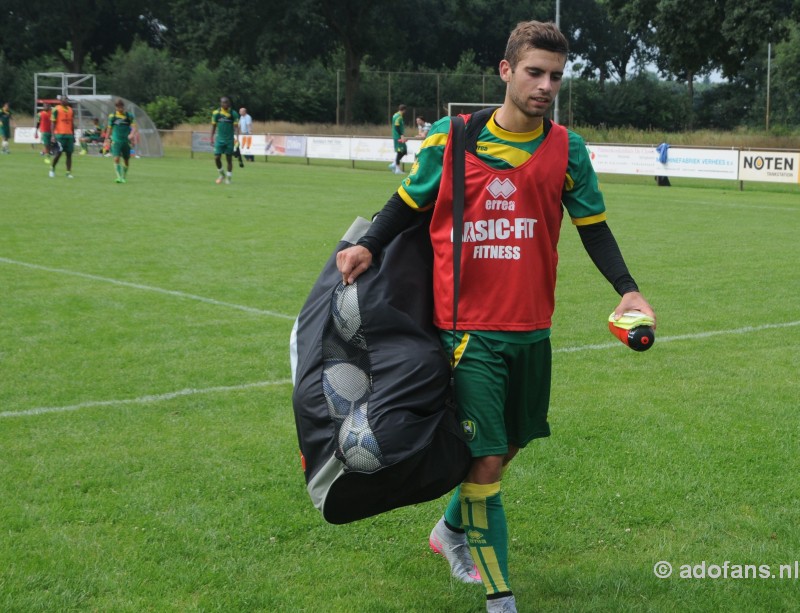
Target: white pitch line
column 233, row 388
column 148, row 288
column 144, row 399
column 685, row 337
column 740, row 205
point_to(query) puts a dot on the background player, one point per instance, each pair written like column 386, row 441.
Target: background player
column 5, row 127
column 225, row 127
column 121, row 131
column 398, row 139
column 44, row 130
column 63, row 122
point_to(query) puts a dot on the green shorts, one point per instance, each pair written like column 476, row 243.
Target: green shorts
column 502, row 391
column 223, row 147
column 46, row 137
column 122, row 150
column 400, row 147
column 5, row 133
column 66, row 141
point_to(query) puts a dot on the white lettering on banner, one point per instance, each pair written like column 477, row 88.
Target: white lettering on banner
column 482, row 230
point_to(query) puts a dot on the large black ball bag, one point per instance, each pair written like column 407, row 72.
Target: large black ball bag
column 372, row 400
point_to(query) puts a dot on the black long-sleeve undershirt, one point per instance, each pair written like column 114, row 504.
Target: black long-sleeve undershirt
column 597, row 239
column 602, row 248
column 392, row 219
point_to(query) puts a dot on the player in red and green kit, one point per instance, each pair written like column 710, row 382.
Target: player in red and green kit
column 522, row 172
column 63, row 123
column 224, row 130
column 121, row 130
column 44, row 129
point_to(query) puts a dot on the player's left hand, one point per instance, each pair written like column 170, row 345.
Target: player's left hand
column 634, row 301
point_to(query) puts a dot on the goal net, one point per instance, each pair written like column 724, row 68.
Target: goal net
column 463, row 108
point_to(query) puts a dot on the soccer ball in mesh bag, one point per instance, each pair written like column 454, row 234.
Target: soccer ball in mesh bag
column 346, row 314
column 344, row 385
column 357, row 443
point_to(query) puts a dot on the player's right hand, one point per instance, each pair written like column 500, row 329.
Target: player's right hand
column 352, row 261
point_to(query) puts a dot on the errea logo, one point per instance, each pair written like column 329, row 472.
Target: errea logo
column 501, row 189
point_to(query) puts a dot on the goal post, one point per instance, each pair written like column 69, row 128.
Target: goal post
column 456, row 108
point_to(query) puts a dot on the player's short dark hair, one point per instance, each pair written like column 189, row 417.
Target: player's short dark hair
column 402, row 107
column 534, row 35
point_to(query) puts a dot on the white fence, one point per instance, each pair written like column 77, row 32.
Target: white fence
column 734, row 164
column 774, row 166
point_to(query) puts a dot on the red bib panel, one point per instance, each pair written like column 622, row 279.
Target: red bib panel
column 512, row 221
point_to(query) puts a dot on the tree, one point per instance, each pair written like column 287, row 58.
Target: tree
column 601, row 38
column 73, row 30
column 786, row 79
column 694, row 37
column 359, row 27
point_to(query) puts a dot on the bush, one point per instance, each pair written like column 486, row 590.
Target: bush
column 166, row 112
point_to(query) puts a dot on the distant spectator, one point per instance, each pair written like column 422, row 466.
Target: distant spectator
column 245, row 133
column 423, row 127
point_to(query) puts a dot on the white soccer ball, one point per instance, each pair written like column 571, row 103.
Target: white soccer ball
column 344, row 385
column 357, row 442
column 346, row 314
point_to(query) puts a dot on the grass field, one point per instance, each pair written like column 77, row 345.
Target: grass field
column 148, row 456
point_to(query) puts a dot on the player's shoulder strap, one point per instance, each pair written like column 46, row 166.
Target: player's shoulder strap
column 475, row 123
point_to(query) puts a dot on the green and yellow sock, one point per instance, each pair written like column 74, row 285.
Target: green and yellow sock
column 484, row 520
column 452, row 514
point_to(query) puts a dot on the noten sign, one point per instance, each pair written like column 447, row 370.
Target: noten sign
column 773, row 166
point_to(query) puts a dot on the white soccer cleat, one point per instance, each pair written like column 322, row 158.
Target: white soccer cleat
column 51, row 174
column 392, row 167
column 453, row 546
column 506, row 604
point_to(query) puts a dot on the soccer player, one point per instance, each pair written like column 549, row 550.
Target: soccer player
column 63, row 120
column 92, row 135
column 5, row 127
column 398, row 139
column 225, row 126
column 44, row 130
column 121, row 130
column 521, row 174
